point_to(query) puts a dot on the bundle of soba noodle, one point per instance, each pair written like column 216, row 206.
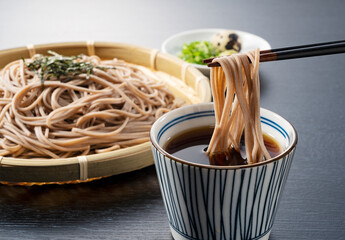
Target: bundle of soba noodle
column 236, row 93
column 57, row 106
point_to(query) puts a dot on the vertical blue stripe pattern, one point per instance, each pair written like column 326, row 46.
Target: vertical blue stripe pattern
column 221, row 204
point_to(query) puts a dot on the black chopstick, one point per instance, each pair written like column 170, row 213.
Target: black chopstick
column 301, row 46
column 302, row 51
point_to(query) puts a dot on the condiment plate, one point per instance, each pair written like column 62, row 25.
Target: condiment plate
column 173, row 44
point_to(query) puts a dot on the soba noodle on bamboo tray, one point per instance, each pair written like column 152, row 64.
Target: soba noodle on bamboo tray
column 57, row 106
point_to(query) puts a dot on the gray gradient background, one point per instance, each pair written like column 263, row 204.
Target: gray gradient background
column 310, row 93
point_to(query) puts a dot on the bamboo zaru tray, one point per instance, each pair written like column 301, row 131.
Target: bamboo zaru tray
column 183, row 80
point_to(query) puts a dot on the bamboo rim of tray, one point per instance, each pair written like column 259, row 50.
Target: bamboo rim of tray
column 67, row 170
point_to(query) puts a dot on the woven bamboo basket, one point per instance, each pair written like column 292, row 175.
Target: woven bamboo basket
column 80, row 169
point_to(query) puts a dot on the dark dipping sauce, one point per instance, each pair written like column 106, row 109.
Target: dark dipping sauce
column 191, row 146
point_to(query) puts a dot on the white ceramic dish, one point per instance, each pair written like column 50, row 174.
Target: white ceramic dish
column 173, row 44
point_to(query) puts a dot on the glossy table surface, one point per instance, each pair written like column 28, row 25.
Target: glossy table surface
column 309, row 92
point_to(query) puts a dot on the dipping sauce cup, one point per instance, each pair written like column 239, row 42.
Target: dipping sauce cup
column 220, row 202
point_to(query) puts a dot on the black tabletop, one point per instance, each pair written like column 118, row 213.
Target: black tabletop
column 309, row 92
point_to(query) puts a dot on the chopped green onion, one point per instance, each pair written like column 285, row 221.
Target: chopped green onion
column 195, row 52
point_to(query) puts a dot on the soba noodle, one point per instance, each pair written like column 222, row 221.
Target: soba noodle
column 109, row 108
column 236, row 93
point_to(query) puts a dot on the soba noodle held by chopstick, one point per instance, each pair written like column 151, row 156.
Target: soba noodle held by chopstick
column 56, row 107
column 238, row 77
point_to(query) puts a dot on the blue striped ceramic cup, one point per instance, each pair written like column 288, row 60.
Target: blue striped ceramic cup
column 220, row 202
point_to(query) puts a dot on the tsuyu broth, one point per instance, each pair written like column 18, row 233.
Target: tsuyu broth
column 191, row 145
